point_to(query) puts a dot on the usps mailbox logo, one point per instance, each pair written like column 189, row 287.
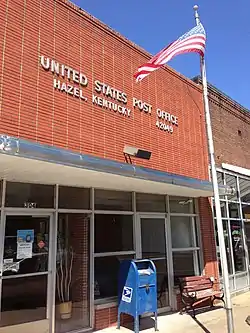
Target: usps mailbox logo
column 127, row 294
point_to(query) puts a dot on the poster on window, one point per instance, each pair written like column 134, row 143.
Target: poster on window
column 24, row 250
column 25, row 236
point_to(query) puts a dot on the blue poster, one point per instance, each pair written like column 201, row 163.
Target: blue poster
column 25, row 236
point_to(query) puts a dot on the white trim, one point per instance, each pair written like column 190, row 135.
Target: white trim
column 112, row 254
column 28, row 211
column 113, row 212
column 170, row 267
column 236, row 169
column 185, row 249
column 106, row 304
column 74, row 211
column 183, row 214
column 91, row 261
column 151, row 215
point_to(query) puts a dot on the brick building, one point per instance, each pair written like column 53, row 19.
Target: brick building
column 231, row 132
column 73, row 202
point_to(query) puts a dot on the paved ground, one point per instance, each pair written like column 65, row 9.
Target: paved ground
column 213, row 321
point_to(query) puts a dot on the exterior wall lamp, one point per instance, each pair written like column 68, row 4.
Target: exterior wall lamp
column 129, row 151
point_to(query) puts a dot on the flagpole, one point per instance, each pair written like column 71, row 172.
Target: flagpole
column 223, row 255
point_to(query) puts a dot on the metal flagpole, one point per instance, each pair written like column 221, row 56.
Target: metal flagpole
column 223, row 256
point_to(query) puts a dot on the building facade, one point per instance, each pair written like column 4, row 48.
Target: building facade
column 73, row 204
column 231, row 132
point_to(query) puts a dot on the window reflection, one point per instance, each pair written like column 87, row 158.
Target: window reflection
column 237, row 246
column 246, row 211
column 227, row 245
column 231, row 182
column 234, row 209
column 223, row 209
column 244, row 190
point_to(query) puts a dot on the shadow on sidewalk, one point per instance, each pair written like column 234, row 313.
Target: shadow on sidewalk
column 201, row 325
column 205, row 310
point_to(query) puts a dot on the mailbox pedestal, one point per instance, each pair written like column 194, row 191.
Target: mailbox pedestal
column 137, row 290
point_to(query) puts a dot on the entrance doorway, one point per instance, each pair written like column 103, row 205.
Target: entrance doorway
column 154, row 247
column 25, row 273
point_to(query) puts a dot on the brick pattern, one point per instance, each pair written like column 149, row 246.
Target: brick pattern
column 108, row 318
column 208, row 239
column 79, row 238
column 231, row 131
column 31, row 108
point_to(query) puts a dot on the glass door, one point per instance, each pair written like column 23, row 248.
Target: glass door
column 25, row 274
column 153, row 246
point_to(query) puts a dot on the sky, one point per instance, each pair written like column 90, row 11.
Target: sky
column 154, row 24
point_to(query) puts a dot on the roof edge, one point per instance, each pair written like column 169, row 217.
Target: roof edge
column 114, row 33
column 229, row 100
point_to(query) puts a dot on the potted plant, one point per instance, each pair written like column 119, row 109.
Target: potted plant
column 65, row 258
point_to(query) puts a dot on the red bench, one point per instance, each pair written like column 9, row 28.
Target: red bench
column 197, row 289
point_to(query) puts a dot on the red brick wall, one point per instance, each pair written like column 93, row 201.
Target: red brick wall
column 230, row 145
column 108, row 317
column 31, row 108
column 208, row 240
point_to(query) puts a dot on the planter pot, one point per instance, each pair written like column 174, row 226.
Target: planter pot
column 65, row 310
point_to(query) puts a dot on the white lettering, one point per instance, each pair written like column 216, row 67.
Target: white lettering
column 64, row 87
column 57, row 84
column 98, row 87
column 83, row 80
column 55, row 67
column 76, row 92
column 104, row 103
column 45, row 62
column 70, row 90
column 75, row 76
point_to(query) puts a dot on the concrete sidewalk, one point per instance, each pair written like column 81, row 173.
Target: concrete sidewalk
column 211, row 321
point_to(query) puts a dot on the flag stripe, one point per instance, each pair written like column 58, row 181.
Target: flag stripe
column 194, row 41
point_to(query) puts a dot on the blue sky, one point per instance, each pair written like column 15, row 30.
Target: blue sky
column 154, row 24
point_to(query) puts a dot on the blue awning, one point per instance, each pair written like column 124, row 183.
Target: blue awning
column 34, row 151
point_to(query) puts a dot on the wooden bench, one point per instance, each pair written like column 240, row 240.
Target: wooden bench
column 197, row 289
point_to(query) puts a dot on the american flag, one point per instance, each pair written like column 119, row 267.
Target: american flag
column 192, row 41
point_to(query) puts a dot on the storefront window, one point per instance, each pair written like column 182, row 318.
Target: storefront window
column 246, row 211
column 231, row 182
column 220, row 178
column 227, row 244
column 106, row 275
column 150, row 203
column 113, row 243
column 181, row 205
column 222, row 207
column 73, row 198
column 234, row 210
column 244, row 190
column 113, row 233
column 27, row 195
column 1, row 191
column 181, row 231
column 247, row 231
column 183, row 264
column 113, row 200
column 153, row 240
column 72, row 272
column 237, row 246
column 153, row 244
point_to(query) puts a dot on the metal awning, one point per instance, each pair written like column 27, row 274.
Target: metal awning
column 26, row 161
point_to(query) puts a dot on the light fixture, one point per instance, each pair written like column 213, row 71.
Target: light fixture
column 136, row 152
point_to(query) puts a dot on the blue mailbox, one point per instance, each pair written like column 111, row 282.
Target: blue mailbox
column 137, row 290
